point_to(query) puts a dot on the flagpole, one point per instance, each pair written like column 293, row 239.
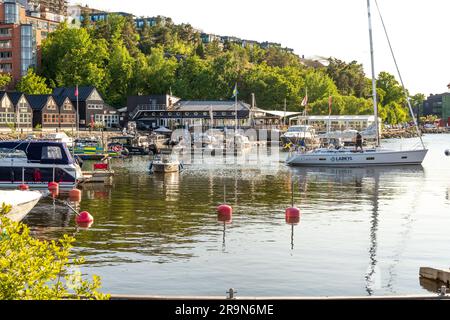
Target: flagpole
column 78, row 116
column 235, row 111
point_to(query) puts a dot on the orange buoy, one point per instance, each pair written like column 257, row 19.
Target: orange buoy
column 84, row 218
column 53, row 185
column 24, row 187
column 292, row 212
column 75, row 195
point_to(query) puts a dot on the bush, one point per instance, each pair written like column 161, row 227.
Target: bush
column 31, row 269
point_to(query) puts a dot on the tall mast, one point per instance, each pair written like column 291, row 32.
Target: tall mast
column 374, row 85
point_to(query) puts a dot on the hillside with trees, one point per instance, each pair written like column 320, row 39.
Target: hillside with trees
column 120, row 60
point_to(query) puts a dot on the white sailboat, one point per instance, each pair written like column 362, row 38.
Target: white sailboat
column 375, row 156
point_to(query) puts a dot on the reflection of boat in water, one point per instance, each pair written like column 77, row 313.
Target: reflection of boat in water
column 21, row 202
column 372, row 181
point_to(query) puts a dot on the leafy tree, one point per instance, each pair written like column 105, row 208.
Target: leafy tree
column 71, row 57
column 31, row 269
column 5, row 79
column 120, row 73
column 160, row 74
column 31, row 83
column 349, row 78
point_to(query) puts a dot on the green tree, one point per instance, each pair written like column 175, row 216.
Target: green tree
column 31, row 83
column 71, row 56
column 31, row 269
column 5, row 80
column 160, row 74
column 349, row 78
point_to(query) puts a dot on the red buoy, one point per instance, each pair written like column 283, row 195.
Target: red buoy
column 85, row 224
column 292, row 220
column 292, row 212
column 75, row 195
column 53, row 185
column 54, row 193
column 225, row 209
column 84, row 218
column 226, row 218
column 24, row 187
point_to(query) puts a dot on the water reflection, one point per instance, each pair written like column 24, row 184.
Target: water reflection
column 359, row 177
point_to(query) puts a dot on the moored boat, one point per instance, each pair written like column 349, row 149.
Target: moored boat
column 36, row 163
column 21, row 202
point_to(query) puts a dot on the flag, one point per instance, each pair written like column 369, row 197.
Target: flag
column 330, row 101
column 235, row 91
column 76, row 91
column 305, row 101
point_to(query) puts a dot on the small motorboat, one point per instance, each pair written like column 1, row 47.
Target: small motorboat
column 165, row 164
column 21, row 202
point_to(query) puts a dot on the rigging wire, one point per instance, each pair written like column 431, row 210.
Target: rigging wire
column 399, row 75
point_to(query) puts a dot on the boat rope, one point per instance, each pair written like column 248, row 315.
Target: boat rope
column 400, row 76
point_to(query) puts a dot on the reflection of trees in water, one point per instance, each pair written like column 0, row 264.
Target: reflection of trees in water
column 351, row 181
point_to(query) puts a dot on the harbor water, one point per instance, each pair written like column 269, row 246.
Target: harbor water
column 362, row 231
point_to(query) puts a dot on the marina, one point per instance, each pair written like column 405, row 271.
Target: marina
column 362, row 231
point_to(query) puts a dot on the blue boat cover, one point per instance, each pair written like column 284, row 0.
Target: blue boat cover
column 45, row 152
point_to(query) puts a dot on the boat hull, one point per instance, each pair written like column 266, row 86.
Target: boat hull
column 20, row 210
column 358, row 159
column 165, row 168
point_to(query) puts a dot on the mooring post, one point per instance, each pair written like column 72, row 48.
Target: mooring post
column 231, row 292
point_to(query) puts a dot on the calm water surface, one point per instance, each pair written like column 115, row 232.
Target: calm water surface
column 363, row 231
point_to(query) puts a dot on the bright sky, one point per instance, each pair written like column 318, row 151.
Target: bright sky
column 337, row 28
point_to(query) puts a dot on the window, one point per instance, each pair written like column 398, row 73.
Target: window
column 5, row 44
column 51, row 153
column 67, row 106
column 95, row 106
column 27, row 55
column 11, row 12
column 25, row 118
column 50, row 118
column 7, row 117
column 5, row 67
column 67, row 118
column 5, row 32
column 6, row 55
column 51, row 106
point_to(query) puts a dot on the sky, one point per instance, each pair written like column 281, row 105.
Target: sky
column 418, row 30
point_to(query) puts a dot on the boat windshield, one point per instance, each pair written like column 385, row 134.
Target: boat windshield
column 298, row 129
column 12, row 153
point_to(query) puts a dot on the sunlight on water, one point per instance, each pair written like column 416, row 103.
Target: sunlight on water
column 362, row 230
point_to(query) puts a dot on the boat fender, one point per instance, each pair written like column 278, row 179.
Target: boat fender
column 447, row 152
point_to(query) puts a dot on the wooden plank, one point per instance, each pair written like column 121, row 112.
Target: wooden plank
column 435, row 274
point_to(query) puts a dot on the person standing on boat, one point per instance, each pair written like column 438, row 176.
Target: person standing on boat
column 359, row 142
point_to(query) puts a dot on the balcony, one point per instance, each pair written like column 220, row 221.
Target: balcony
column 147, row 107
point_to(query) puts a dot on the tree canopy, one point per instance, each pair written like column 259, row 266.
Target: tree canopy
column 121, row 60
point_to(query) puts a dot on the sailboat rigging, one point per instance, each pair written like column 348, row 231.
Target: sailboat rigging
column 374, row 156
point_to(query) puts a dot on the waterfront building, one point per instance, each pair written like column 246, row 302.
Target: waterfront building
column 153, row 111
column 45, row 111
column 438, row 105
column 24, row 113
column 67, row 112
column 91, row 106
column 335, row 122
column 21, row 36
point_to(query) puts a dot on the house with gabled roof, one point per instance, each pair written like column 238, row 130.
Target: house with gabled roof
column 67, row 112
column 45, row 111
column 91, row 106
